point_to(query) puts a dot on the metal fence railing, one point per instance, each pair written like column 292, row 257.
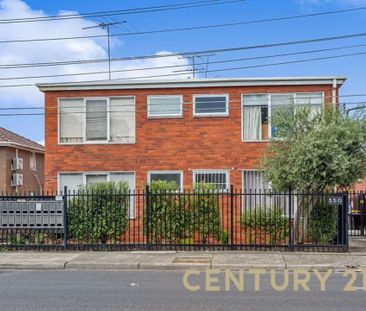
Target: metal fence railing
column 190, row 220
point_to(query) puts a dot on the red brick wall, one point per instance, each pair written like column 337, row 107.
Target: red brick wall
column 164, row 144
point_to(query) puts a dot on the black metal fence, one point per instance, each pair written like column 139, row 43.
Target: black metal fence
column 190, row 220
column 357, row 213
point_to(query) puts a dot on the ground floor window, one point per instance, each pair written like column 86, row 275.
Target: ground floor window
column 74, row 180
column 169, row 176
column 219, row 178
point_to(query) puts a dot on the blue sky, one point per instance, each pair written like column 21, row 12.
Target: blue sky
column 33, row 126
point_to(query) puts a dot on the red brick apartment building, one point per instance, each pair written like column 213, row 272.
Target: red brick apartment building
column 212, row 130
column 21, row 163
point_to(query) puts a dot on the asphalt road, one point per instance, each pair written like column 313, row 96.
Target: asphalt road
column 142, row 290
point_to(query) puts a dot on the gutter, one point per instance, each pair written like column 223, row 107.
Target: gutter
column 21, row 146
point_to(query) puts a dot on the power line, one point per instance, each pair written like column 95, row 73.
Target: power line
column 190, row 103
column 222, row 50
column 211, row 70
column 212, row 26
column 150, row 9
column 126, row 112
column 185, row 65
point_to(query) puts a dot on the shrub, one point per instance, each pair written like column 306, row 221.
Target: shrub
column 170, row 220
column 99, row 212
column 205, row 211
column 323, row 223
column 272, row 221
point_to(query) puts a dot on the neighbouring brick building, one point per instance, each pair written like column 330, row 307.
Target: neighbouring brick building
column 21, row 163
column 212, row 130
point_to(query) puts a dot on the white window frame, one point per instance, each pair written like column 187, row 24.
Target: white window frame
column 108, row 173
column 212, row 171
column 83, row 109
column 269, row 103
column 211, row 114
column 166, row 172
column 33, row 155
column 166, row 115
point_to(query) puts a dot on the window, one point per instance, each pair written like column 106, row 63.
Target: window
column 71, row 121
column 219, row 178
column 211, row 105
column 33, row 161
column 168, row 176
column 70, row 180
column 259, row 108
column 255, row 117
column 73, row 181
column 258, row 194
column 95, row 120
column 165, row 106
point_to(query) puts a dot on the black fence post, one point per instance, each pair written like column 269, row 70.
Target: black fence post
column 147, row 216
column 290, row 219
column 65, row 217
column 232, row 215
column 343, row 230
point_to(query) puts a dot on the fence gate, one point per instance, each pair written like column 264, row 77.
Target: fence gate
column 357, row 214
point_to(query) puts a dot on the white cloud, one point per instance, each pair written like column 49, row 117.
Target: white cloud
column 58, row 51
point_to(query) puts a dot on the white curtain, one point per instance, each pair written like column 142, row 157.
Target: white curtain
column 71, row 181
column 252, row 123
column 122, row 119
column 165, row 106
column 130, row 179
column 71, row 120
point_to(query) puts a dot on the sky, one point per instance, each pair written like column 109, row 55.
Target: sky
column 172, row 43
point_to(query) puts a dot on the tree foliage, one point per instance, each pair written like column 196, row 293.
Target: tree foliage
column 315, row 150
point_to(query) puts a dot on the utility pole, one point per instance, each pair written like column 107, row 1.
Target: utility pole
column 107, row 27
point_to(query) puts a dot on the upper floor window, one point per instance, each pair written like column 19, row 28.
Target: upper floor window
column 259, row 108
column 165, row 106
column 97, row 120
column 33, row 161
column 211, row 105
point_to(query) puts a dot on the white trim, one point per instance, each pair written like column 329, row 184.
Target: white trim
column 211, row 114
column 269, row 103
column 166, row 172
column 101, row 142
column 167, row 115
column 212, row 171
column 189, row 83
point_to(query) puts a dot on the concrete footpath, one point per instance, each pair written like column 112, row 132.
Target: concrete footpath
column 181, row 260
column 171, row 260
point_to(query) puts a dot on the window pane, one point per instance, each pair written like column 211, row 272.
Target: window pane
column 130, row 179
column 122, row 118
column 127, row 177
column 165, row 106
column 219, row 179
column 71, row 120
column 166, row 177
column 255, row 117
column 71, row 181
column 278, row 104
column 313, row 101
column 33, row 161
column 96, row 120
column 93, row 179
column 211, row 105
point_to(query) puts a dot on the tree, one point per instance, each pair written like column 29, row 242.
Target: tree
column 315, row 151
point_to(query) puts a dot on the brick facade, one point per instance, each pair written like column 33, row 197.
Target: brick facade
column 33, row 180
column 180, row 144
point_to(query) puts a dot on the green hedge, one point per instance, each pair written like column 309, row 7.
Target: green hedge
column 100, row 213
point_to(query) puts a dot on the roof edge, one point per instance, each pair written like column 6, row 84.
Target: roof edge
column 190, row 83
column 17, row 145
